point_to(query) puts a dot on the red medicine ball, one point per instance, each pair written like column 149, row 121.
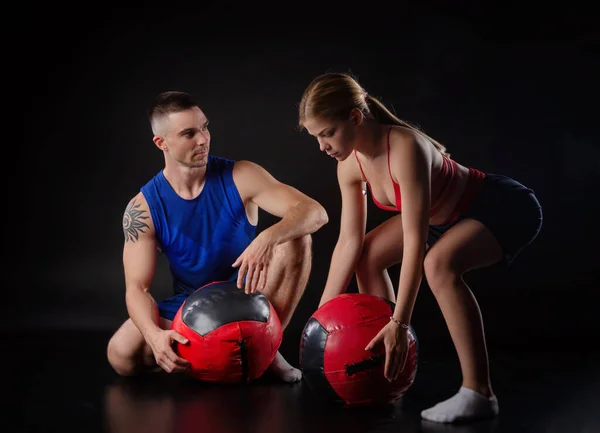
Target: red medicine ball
column 233, row 337
column 333, row 358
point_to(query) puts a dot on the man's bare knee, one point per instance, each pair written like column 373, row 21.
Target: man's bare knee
column 296, row 251
column 303, row 243
column 127, row 351
column 120, row 357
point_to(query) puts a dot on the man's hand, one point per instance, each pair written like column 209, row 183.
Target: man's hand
column 254, row 263
column 161, row 345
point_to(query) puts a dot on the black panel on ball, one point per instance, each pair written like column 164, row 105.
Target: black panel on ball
column 312, row 354
column 391, row 304
column 217, row 304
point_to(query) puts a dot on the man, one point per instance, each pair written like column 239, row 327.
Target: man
column 201, row 211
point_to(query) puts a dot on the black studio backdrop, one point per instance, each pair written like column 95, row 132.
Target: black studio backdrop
column 512, row 99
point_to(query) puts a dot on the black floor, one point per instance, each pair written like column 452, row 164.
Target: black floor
column 61, row 382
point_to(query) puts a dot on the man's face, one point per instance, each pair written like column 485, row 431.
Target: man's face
column 187, row 139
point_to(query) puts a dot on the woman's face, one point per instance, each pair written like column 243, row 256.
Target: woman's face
column 336, row 137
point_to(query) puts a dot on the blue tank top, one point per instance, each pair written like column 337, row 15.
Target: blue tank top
column 201, row 237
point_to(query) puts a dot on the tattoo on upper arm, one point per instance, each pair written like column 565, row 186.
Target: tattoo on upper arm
column 133, row 221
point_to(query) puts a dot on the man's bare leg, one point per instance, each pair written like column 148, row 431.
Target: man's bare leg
column 288, row 277
column 128, row 353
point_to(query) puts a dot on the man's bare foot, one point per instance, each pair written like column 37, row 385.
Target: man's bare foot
column 283, row 370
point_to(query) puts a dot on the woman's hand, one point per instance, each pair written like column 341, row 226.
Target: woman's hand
column 395, row 339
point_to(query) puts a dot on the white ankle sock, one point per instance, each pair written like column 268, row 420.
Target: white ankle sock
column 466, row 405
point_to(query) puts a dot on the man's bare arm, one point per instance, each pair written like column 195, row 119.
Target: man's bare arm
column 139, row 262
column 300, row 214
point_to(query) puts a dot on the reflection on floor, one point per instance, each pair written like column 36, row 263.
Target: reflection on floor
column 61, row 382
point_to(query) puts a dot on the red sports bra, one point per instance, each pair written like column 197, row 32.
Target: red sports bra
column 443, row 184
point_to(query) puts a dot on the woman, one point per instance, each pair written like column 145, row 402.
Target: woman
column 451, row 219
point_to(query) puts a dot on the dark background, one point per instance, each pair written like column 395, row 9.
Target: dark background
column 507, row 91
